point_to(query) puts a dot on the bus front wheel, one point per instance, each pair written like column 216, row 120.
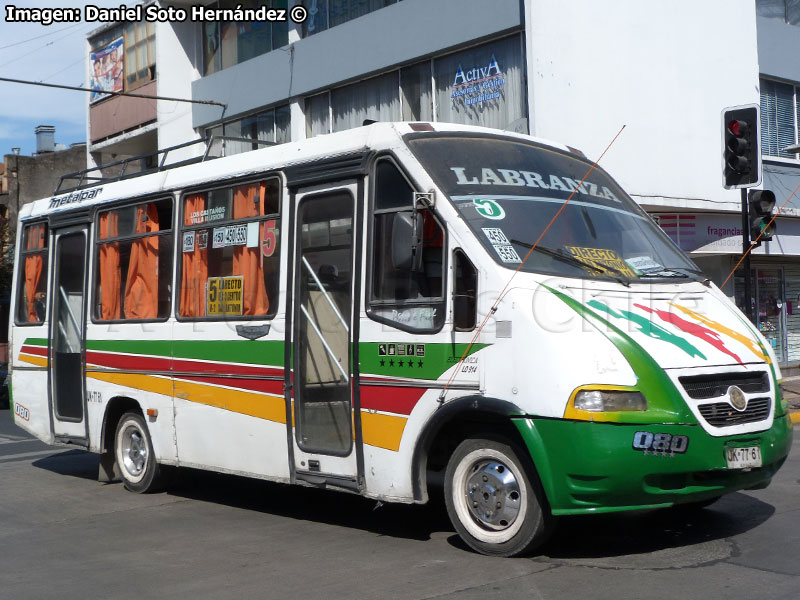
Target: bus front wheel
column 494, row 499
column 133, row 450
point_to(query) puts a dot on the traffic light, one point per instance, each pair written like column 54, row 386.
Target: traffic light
column 742, row 155
column 760, row 205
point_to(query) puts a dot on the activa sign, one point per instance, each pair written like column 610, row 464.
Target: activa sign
column 477, row 73
column 479, row 84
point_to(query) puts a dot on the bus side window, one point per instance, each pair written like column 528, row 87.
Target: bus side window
column 465, row 292
column 134, row 262
column 32, row 294
column 407, row 292
column 230, row 242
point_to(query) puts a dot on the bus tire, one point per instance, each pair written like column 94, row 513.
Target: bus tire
column 494, row 499
column 133, row 451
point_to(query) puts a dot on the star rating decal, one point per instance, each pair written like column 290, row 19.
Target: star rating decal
column 403, row 364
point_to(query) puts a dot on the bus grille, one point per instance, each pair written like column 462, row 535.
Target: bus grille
column 700, row 387
column 722, row 414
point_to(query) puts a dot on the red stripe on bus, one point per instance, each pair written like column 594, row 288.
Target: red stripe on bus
column 150, row 363
column 36, row 350
column 190, row 366
column 398, row 400
column 126, row 361
column 265, row 386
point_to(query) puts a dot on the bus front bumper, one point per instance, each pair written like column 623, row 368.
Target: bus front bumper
column 590, row 467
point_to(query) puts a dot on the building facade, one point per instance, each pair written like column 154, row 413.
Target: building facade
column 575, row 72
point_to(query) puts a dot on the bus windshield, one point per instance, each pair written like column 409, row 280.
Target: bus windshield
column 509, row 190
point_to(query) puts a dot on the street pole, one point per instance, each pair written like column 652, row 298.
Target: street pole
column 748, row 283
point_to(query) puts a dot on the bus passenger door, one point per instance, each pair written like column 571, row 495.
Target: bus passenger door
column 326, row 272
column 67, row 336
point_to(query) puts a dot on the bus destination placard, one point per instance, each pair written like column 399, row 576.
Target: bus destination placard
column 224, row 295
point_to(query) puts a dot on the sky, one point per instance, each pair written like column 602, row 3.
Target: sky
column 51, row 54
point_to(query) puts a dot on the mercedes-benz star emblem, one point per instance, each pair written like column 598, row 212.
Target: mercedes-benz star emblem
column 737, row 399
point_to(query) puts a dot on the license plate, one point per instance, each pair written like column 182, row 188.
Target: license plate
column 745, row 457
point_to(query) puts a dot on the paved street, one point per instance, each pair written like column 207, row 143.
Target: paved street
column 63, row 534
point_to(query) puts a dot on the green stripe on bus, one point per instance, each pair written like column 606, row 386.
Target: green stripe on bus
column 427, row 362
column 253, row 352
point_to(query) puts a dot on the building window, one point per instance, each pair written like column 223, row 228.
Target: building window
column 318, row 114
column 778, row 117
column 786, row 10
column 134, row 262
column 415, row 92
column 230, row 254
column 324, row 14
column 377, row 99
column 140, row 54
column 273, row 126
column 480, row 86
column 226, row 44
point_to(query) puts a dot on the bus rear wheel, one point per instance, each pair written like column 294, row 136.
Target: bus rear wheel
column 494, row 499
column 133, row 450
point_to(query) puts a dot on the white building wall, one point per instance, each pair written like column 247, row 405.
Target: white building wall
column 177, row 53
column 665, row 70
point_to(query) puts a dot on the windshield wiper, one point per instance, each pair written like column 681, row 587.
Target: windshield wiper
column 574, row 260
column 675, row 272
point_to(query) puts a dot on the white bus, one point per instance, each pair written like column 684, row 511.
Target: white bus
column 363, row 311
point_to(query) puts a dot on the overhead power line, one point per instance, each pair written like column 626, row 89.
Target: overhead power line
column 98, row 91
column 29, row 52
column 37, row 37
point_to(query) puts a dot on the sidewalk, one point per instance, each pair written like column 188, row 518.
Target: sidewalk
column 791, row 392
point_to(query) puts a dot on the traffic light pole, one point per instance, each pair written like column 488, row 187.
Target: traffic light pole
column 748, row 283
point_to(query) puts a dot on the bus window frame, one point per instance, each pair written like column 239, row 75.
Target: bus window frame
column 371, row 302
column 95, row 254
column 20, row 270
column 178, row 270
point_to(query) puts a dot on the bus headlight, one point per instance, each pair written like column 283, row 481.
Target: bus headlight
column 609, row 401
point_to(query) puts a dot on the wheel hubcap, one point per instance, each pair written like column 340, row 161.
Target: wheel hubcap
column 493, row 495
column 134, row 451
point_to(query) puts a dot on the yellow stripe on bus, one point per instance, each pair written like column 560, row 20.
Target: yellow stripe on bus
column 271, row 408
column 382, row 431
column 147, row 383
column 39, row 361
column 261, row 406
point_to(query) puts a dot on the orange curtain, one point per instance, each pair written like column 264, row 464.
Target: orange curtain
column 33, row 269
column 141, row 287
column 110, row 273
column 248, row 201
column 194, row 270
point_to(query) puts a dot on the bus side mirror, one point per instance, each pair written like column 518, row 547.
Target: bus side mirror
column 407, row 241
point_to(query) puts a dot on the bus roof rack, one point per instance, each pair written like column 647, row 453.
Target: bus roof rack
column 99, row 174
